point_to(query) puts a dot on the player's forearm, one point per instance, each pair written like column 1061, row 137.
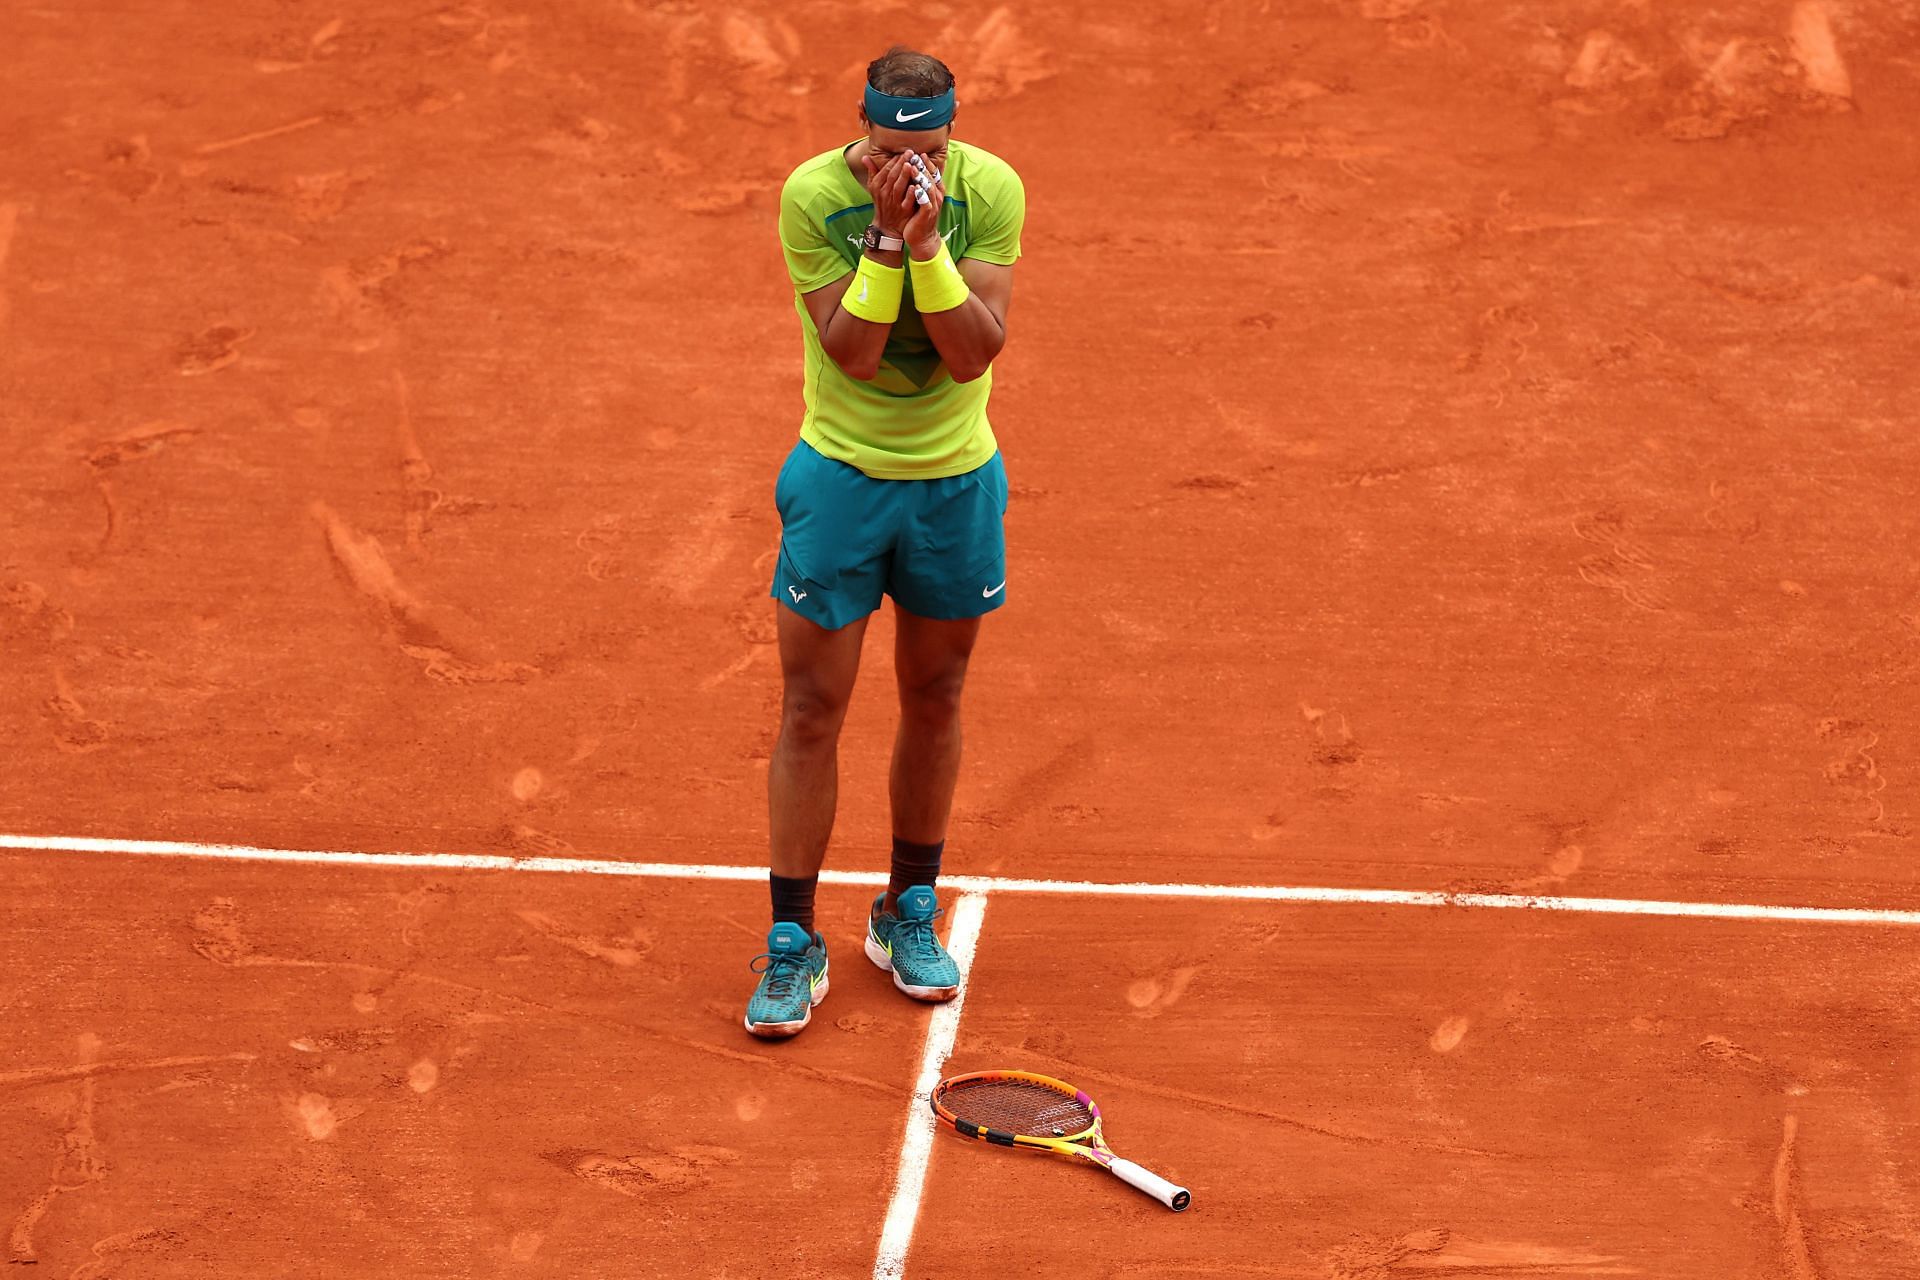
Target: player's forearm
column 968, row 337
column 854, row 343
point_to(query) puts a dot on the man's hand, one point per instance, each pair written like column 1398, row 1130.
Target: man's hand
column 891, row 186
column 923, row 226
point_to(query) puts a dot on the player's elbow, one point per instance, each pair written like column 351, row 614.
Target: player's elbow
column 974, row 364
column 969, row 370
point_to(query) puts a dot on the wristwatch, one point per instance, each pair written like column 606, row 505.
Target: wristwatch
column 875, row 240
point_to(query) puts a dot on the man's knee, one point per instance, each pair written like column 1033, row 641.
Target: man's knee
column 811, row 716
column 934, row 698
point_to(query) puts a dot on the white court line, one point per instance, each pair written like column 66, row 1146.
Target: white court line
column 984, row 884
column 916, row 1148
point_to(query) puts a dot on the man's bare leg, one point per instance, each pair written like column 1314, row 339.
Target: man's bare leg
column 818, row 667
column 930, row 665
column 803, row 779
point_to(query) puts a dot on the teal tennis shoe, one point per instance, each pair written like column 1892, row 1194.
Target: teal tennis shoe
column 793, row 979
column 906, row 946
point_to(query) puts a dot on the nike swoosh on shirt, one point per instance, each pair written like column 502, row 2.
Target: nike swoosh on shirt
column 903, row 117
column 990, row 592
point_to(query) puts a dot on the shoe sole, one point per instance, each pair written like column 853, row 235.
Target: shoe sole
column 782, row 1030
column 932, row 995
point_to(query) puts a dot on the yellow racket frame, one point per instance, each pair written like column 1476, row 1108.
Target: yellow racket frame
column 1090, row 1144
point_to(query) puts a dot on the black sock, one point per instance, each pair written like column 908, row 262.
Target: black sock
column 912, row 864
column 793, row 899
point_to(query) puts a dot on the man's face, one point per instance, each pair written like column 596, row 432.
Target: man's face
column 884, row 144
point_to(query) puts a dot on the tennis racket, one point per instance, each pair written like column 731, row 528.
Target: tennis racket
column 1020, row 1109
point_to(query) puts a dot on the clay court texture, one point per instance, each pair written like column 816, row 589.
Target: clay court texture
column 1464, row 476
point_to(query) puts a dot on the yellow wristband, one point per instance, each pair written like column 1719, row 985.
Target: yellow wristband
column 937, row 282
column 875, row 292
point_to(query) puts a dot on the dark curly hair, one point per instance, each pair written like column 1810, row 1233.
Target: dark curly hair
column 906, row 73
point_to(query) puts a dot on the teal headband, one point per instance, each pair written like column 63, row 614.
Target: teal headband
column 915, row 114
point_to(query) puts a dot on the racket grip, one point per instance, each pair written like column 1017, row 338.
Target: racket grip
column 1175, row 1198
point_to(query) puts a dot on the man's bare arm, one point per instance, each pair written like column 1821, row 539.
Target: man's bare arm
column 850, row 342
column 970, row 335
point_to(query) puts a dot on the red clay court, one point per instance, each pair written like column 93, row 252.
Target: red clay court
column 1464, row 463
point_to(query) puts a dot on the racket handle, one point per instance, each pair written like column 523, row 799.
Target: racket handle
column 1175, row 1198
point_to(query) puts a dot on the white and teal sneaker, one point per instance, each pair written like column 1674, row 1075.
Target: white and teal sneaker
column 793, row 979
column 906, row 946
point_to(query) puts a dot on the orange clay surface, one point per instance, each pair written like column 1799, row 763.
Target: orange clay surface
column 1453, row 446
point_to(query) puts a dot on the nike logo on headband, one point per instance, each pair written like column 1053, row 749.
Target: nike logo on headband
column 903, row 117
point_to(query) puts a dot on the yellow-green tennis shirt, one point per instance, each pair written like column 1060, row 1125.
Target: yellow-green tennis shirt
column 912, row 421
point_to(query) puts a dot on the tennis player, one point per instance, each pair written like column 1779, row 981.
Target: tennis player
column 901, row 247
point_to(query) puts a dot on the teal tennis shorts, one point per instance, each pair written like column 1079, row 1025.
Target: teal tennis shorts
column 937, row 547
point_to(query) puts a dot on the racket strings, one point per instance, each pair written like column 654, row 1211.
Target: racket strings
column 1016, row 1106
